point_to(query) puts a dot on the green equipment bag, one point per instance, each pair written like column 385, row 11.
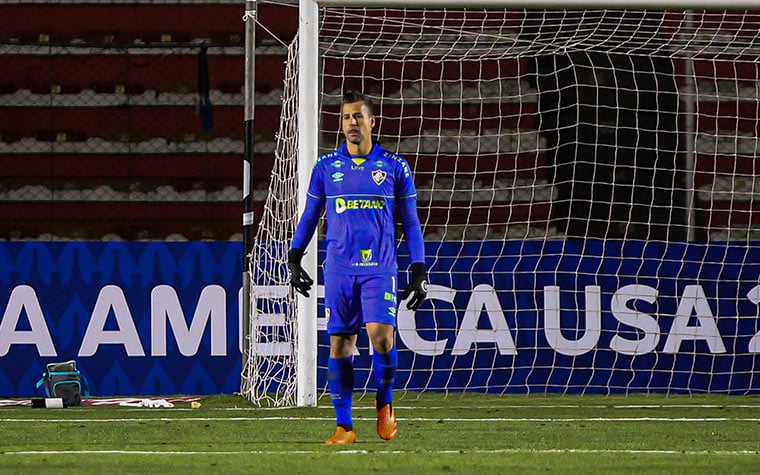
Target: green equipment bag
column 64, row 380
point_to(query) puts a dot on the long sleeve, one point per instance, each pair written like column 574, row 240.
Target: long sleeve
column 315, row 203
column 406, row 203
column 308, row 223
column 410, row 222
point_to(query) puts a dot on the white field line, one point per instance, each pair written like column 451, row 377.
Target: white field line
column 523, row 406
column 414, row 419
column 382, row 452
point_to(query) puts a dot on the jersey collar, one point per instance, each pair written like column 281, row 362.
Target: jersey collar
column 376, row 151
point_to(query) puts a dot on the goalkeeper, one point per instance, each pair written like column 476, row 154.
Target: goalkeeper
column 363, row 188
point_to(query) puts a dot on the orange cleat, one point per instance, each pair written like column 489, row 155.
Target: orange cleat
column 387, row 426
column 341, row 437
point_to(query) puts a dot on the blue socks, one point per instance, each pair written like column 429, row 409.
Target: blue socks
column 340, row 381
column 384, row 367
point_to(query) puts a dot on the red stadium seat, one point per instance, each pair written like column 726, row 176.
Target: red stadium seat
column 129, row 220
column 107, row 37
column 165, row 37
column 227, row 38
column 60, row 135
column 111, row 87
column 46, row 37
column 8, row 136
column 230, row 87
column 55, row 88
column 7, row 87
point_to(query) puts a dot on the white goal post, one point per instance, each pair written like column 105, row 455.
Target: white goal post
column 586, row 230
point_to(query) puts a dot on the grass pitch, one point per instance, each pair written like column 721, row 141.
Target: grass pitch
column 469, row 433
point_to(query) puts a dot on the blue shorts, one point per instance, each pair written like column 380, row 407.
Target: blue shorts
column 353, row 300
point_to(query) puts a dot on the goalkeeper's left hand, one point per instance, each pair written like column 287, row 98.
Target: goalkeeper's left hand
column 418, row 285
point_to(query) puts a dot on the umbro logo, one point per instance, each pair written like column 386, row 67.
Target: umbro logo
column 379, row 176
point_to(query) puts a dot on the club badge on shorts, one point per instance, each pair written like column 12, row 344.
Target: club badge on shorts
column 379, row 176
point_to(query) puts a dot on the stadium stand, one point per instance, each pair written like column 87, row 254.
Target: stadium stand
column 101, row 137
column 104, row 97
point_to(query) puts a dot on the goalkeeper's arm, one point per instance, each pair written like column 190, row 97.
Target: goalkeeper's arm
column 418, row 285
column 299, row 278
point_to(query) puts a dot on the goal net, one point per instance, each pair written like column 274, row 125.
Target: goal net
column 586, row 185
column 268, row 374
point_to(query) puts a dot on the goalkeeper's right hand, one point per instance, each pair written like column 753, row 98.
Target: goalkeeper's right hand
column 299, row 279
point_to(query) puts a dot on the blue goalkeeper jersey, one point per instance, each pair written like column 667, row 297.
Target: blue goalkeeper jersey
column 361, row 196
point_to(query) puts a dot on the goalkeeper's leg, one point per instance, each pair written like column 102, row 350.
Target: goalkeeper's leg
column 384, row 364
column 384, row 368
column 340, row 380
column 343, row 326
column 378, row 296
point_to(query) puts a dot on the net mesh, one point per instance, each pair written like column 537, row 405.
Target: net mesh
column 269, row 364
column 586, row 185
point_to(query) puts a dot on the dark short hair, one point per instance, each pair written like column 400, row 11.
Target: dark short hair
column 350, row 96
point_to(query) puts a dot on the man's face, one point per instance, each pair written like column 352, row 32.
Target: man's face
column 357, row 122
